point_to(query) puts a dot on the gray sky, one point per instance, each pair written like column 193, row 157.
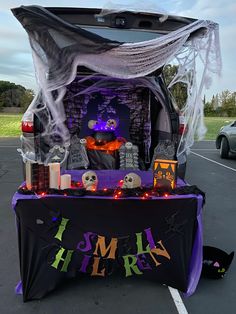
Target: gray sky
column 15, row 56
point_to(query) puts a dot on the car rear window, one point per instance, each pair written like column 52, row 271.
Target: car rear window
column 122, row 35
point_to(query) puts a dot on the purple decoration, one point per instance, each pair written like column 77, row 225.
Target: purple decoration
column 142, row 262
column 18, row 288
column 111, row 97
column 102, row 126
column 87, row 243
column 85, row 263
column 150, row 238
column 195, row 268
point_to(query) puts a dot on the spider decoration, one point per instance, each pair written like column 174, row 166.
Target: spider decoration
column 173, row 226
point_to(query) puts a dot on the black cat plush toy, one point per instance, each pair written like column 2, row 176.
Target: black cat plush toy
column 216, row 262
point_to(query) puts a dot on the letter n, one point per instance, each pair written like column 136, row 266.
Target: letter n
column 159, row 252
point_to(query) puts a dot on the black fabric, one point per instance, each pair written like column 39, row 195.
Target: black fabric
column 99, row 159
column 189, row 189
column 147, row 191
column 216, row 262
column 57, row 42
column 167, row 224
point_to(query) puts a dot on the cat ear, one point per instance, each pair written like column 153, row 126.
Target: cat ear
column 231, row 256
column 218, row 258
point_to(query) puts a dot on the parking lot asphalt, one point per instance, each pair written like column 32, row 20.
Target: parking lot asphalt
column 216, row 177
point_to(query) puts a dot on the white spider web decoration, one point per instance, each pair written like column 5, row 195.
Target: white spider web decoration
column 194, row 48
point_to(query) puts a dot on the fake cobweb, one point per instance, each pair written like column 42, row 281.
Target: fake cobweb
column 59, row 48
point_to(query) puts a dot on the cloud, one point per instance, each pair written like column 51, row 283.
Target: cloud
column 7, row 5
column 16, row 62
column 16, row 65
column 205, row 9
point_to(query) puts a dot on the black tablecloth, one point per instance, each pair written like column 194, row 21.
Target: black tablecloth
column 61, row 237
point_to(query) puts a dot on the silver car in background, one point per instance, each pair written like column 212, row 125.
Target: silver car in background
column 226, row 140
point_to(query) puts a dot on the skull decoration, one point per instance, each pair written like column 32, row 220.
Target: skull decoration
column 128, row 145
column 131, row 181
column 111, row 124
column 92, row 124
column 83, row 141
column 90, row 180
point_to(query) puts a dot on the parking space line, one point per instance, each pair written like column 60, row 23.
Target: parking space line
column 215, row 162
column 178, row 301
column 203, row 149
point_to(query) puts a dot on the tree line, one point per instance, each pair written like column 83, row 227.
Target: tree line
column 221, row 105
column 12, row 95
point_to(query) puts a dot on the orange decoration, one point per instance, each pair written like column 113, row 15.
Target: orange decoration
column 108, row 147
column 164, row 173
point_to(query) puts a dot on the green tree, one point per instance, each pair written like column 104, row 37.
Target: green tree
column 26, row 98
column 209, row 109
column 12, row 95
column 228, row 103
column 5, row 85
column 178, row 90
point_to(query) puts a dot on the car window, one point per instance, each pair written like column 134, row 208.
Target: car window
column 122, row 35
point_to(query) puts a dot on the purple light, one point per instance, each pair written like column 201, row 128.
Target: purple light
column 102, row 126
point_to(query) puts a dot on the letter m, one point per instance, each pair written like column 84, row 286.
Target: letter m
column 104, row 250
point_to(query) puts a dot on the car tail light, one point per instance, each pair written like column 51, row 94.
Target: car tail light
column 182, row 129
column 182, row 125
column 27, row 126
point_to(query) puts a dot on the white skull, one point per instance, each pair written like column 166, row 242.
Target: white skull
column 111, row 123
column 128, row 145
column 91, row 124
column 83, row 141
column 131, row 181
column 90, row 180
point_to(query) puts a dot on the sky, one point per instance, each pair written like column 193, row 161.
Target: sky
column 16, row 63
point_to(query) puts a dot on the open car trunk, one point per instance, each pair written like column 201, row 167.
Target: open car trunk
column 143, row 117
column 130, row 87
